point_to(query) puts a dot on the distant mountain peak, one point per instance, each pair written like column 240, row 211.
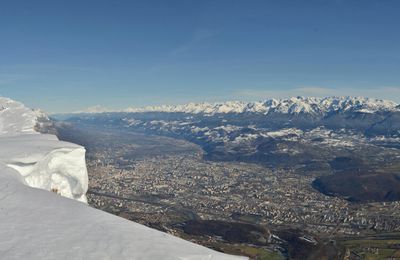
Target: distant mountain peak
column 293, row 105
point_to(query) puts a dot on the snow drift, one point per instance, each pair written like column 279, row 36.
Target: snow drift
column 37, row 224
column 46, row 163
column 42, row 160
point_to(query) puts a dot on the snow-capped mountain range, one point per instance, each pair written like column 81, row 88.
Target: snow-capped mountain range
column 271, row 132
column 365, row 115
column 294, row 105
column 38, row 224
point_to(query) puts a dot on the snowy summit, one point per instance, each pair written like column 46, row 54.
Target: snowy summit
column 294, row 105
column 43, row 183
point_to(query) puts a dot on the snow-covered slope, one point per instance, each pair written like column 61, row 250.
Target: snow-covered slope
column 294, row 105
column 46, row 163
column 15, row 118
column 38, row 224
column 42, row 160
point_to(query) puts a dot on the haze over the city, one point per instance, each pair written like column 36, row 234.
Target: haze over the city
column 65, row 56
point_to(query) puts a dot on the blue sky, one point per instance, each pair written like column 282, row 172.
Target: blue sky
column 68, row 55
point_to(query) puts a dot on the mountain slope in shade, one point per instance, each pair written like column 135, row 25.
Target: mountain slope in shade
column 367, row 115
column 38, row 224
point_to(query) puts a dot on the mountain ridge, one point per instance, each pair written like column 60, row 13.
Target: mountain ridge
column 293, row 105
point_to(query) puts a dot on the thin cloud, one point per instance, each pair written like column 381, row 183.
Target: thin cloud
column 197, row 37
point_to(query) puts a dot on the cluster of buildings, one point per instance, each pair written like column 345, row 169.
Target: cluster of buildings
column 166, row 190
